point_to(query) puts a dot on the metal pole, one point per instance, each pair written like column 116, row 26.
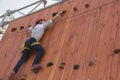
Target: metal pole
column 29, row 5
column 5, row 15
column 21, row 8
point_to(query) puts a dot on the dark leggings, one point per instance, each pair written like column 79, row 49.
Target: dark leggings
column 26, row 54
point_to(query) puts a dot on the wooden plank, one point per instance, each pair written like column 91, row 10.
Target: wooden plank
column 5, row 58
column 100, row 62
column 67, row 72
column 115, row 18
column 115, row 59
column 3, row 47
column 9, row 55
column 76, row 38
column 16, row 53
column 92, row 29
column 50, row 45
column 118, row 66
column 103, row 50
column 65, row 46
column 86, row 47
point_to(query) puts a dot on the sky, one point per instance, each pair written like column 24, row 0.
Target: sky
column 17, row 4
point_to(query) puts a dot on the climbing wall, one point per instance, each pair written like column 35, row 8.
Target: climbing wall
column 80, row 44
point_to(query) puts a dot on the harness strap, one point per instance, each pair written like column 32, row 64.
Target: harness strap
column 23, row 46
column 35, row 43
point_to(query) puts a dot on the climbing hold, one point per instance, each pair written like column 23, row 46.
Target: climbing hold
column 49, row 64
column 13, row 29
column 76, row 66
column 91, row 63
column 63, row 12
column 62, row 65
column 36, row 70
column 29, row 26
column 75, row 9
column 54, row 14
column 116, row 51
column 23, row 77
column 87, row 5
column 21, row 27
